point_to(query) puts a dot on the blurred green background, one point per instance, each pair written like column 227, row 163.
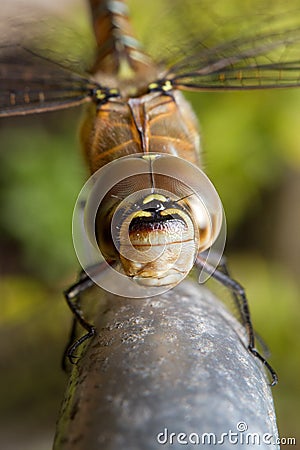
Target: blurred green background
column 251, row 143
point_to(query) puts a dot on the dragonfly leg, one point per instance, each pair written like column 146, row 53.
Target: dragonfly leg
column 223, row 266
column 238, row 292
column 72, row 296
column 71, row 339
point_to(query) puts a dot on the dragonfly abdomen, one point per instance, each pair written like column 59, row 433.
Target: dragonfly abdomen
column 118, row 51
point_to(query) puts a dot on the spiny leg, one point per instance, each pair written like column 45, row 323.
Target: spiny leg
column 241, row 301
column 223, row 267
column 71, row 339
column 72, row 296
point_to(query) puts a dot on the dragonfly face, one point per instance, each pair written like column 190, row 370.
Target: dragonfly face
column 157, row 241
column 151, row 224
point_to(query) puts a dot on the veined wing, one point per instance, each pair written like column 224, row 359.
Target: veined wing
column 31, row 84
column 266, row 60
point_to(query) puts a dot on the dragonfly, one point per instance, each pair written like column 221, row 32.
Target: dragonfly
column 135, row 109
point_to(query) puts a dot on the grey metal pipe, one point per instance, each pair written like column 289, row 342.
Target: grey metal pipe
column 162, row 372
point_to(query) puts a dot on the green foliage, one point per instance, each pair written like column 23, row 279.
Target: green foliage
column 274, row 300
column 33, row 328
column 41, row 178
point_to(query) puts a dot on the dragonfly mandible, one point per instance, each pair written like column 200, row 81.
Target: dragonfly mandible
column 135, row 107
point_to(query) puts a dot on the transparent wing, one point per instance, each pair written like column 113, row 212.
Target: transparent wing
column 30, row 83
column 260, row 61
column 225, row 45
column 44, row 55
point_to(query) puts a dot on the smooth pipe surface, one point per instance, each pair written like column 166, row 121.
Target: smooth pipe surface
column 176, row 363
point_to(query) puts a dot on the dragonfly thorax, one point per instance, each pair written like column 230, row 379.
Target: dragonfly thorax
column 155, row 122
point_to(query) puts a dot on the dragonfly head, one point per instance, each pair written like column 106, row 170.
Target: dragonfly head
column 153, row 236
column 148, row 220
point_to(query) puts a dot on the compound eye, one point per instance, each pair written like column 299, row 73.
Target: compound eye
column 145, row 217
